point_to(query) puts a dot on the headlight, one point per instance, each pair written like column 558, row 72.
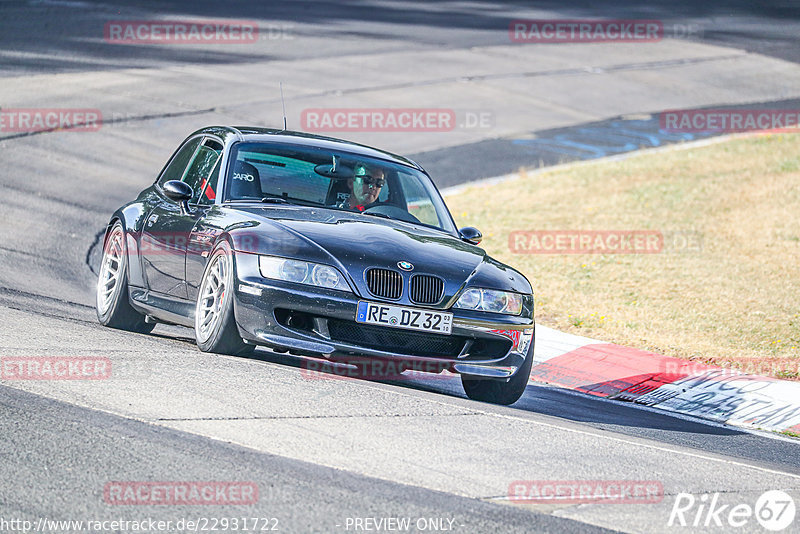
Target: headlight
column 302, row 272
column 490, row 300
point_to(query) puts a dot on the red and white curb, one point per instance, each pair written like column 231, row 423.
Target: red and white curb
column 608, row 370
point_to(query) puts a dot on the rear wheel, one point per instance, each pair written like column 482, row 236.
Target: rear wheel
column 498, row 391
column 112, row 304
column 214, row 322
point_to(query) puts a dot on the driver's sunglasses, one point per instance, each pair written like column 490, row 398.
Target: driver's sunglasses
column 372, row 181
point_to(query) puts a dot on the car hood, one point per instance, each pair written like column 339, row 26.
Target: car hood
column 354, row 242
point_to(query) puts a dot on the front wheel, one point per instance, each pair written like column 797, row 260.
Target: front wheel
column 112, row 305
column 214, row 322
column 497, row 391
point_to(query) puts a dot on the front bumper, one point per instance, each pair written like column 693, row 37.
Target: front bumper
column 312, row 321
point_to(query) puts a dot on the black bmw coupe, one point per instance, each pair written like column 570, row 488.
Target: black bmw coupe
column 318, row 247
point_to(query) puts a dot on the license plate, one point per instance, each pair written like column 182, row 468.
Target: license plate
column 402, row 317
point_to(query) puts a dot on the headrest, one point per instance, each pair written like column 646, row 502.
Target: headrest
column 246, row 182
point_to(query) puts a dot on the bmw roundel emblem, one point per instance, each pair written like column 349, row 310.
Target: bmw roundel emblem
column 406, row 266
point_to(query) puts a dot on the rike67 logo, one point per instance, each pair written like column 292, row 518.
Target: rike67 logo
column 774, row 510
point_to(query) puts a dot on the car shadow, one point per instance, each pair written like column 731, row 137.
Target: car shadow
column 612, row 416
column 538, row 398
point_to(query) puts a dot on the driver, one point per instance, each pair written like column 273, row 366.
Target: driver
column 365, row 187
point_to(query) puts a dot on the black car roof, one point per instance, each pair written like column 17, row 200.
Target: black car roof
column 255, row 134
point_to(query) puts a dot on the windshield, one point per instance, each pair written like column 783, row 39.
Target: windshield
column 336, row 180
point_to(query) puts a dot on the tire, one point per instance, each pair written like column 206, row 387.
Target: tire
column 498, row 391
column 214, row 321
column 112, row 299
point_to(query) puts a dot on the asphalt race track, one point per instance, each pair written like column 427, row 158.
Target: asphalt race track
column 326, row 452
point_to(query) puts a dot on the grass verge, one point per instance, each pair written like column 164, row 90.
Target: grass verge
column 724, row 290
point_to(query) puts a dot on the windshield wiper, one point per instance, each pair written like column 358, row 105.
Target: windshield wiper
column 274, row 200
column 376, row 214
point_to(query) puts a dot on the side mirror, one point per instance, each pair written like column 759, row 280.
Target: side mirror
column 179, row 192
column 471, row 235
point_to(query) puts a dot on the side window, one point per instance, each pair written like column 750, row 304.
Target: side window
column 175, row 169
column 199, row 173
column 208, row 190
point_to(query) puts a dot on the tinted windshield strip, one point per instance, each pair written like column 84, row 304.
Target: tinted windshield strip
column 265, row 162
